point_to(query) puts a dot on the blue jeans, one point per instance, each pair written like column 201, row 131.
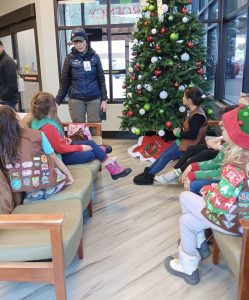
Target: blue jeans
column 81, row 157
column 197, row 185
column 169, row 154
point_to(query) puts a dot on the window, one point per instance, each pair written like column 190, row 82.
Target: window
column 235, row 57
column 212, row 56
column 82, row 13
column 214, row 11
column 124, row 11
column 232, row 5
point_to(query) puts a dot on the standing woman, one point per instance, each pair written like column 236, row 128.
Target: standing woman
column 83, row 80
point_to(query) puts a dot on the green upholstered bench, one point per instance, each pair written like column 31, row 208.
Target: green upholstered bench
column 81, row 189
column 235, row 251
column 41, row 231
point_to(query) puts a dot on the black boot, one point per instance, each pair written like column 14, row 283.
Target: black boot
column 108, row 148
column 144, row 178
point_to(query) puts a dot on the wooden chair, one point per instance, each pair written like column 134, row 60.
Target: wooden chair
column 235, row 251
column 36, row 247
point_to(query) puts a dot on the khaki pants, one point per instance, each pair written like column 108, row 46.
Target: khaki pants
column 79, row 110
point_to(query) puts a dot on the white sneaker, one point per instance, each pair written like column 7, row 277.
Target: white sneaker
column 161, row 178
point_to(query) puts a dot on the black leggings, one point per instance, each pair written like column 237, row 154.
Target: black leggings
column 195, row 153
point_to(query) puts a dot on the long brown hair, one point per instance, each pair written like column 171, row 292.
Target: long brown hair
column 43, row 104
column 10, row 135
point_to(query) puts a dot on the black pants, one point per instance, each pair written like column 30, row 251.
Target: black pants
column 195, row 153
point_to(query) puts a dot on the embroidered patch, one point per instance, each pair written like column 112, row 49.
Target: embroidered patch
column 230, row 217
column 228, row 224
column 243, row 205
column 244, row 196
column 26, row 181
column 45, row 180
column 17, row 165
column 45, row 173
column 60, row 175
column 27, row 164
column 9, row 166
column 35, row 181
column 244, row 214
column 44, row 159
column 36, row 158
column 15, row 174
column 247, row 169
column 16, row 184
column 37, row 164
column 44, row 166
column 37, row 172
column 26, row 172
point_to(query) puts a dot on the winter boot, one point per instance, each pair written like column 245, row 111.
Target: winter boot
column 202, row 245
column 115, row 170
column 106, row 148
column 144, row 178
column 170, row 177
column 186, row 267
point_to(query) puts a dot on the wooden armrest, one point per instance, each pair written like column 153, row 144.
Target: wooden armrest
column 30, row 221
column 97, row 126
column 245, row 223
column 213, row 122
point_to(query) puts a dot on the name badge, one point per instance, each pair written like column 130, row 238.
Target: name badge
column 87, row 66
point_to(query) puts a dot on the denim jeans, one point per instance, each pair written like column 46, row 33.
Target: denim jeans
column 9, row 103
column 81, row 157
column 169, row 154
column 196, row 185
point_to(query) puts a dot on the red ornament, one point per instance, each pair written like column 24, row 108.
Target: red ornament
column 184, row 10
column 130, row 113
column 190, row 44
column 190, row 1
column 157, row 73
column 149, row 39
column 176, row 85
column 168, row 124
column 163, row 30
column 158, row 47
column 198, row 63
column 137, row 66
column 133, row 77
column 124, row 86
column 200, row 71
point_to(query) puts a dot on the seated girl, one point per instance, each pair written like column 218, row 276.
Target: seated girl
column 192, row 132
column 223, row 204
column 28, row 160
column 45, row 118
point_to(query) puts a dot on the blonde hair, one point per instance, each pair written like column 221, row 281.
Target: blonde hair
column 235, row 154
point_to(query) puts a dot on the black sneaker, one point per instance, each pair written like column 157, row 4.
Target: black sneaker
column 204, row 250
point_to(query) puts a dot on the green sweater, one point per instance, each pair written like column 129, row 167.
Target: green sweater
column 207, row 170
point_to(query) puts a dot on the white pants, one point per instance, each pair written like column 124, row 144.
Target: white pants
column 192, row 222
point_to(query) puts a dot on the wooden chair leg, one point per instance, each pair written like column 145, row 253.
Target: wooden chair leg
column 90, row 208
column 216, row 252
column 58, row 263
column 80, row 250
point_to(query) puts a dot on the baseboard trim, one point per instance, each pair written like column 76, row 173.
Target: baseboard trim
column 121, row 135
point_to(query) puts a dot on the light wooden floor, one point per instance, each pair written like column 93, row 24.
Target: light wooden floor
column 132, row 230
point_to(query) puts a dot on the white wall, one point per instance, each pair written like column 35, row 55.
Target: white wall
column 48, row 54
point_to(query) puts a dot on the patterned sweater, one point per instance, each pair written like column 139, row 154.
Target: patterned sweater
column 207, row 170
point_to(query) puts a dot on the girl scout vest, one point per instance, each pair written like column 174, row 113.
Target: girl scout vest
column 32, row 170
column 185, row 143
column 228, row 201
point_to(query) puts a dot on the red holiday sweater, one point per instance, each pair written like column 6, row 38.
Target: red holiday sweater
column 59, row 143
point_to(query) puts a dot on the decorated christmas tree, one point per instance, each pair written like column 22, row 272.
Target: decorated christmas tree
column 168, row 56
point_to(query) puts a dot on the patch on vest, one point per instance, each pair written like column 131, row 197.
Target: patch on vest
column 16, row 184
column 228, row 224
column 44, row 159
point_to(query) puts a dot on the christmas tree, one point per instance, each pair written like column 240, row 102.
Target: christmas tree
column 168, row 56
